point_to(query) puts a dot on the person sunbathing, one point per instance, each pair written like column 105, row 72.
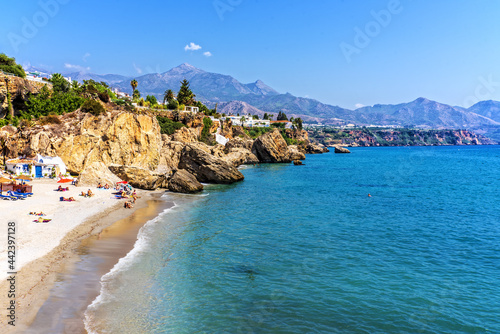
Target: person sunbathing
column 99, row 186
column 128, row 205
column 89, row 193
column 106, row 186
column 71, row 199
column 60, row 188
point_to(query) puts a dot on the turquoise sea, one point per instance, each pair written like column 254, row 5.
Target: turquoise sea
column 304, row 249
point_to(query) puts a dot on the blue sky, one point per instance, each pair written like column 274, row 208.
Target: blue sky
column 340, row 52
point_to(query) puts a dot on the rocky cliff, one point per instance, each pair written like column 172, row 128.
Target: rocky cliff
column 130, row 146
column 18, row 89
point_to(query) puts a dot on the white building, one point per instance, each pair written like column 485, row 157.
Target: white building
column 37, row 167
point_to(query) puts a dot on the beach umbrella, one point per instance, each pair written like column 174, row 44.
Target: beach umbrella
column 124, row 182
column 4, row 180
column 24, row 177
column 64, row 180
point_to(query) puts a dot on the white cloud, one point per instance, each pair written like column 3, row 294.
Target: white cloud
column 85, row 56
column 76, row 67
column 207, row 54
column 359, row 105
column 137, row 69
column 192, row 47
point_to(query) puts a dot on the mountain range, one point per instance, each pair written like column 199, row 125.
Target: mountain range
column 234, row 97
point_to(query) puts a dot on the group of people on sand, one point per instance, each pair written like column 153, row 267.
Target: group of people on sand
column 100, row 186
column 88, row 194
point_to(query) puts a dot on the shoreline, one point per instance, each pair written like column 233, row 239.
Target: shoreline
column 36, row 278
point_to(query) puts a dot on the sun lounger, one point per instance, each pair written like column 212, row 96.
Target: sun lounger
column 6, row 197
column 10, row 193
column 22, row 194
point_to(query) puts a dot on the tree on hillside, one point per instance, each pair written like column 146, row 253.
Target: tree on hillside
column 152, row 100
column 168, row 96
column 136, row 94
column 134, row 84
column 59, row 84
column 282, row 116
column 185, row 95
column 9, row 65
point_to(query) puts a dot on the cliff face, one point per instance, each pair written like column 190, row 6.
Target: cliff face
column 400, row 137
column 18, row 89
column 117, row 138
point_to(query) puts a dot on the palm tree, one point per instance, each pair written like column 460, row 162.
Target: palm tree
column 133, row 83
column 168, row 96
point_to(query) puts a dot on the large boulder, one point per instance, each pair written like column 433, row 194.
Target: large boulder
column 271, row 147
column 184, row 182
column 316, row 149
column 139, row 177
column 96, row 173
column 340, row 149
column 240, row 156
column 239, row 143
column 295, row 153
column 207, row 168
column 185, row 135
column 170, row 155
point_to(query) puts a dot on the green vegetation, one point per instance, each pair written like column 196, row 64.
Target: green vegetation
column 9, row 65
column 168, row 96
column 206, row 137
column 47, row 102
column 93, row 107
column 152, row 100
column 59, row 84
column 257, row 131
column 168, row 126
column 185, row 95
column 282, row 116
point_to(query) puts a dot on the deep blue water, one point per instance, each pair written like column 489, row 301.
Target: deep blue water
column 303, row 249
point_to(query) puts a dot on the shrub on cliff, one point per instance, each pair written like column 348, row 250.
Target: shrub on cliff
column 93, row 107
column 45, row 103
column 168, row 126
column 206, row 137
column 9, row 65
column 50, row 119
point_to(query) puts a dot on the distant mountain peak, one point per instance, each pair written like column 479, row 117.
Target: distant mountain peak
column 422, row 100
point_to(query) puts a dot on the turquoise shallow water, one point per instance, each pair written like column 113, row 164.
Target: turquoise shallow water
column 303, row 249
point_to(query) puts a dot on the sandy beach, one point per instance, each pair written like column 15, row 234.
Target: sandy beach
column 44, row 249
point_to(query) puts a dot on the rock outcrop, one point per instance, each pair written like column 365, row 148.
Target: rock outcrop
column 271, row 147
column 298, row 163
column 185, row 135
column 96, row 173
column 240, row 156
column 18, row 89
column 184, row 182
column 316, row 149
column 139, row 177
column 295, row 153
column 207, row 168
column 340, row 149
column 81, row 139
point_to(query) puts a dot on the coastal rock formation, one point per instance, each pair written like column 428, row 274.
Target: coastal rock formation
column 240, row 156
column 185, row 135
column 239, row 143
column 184, row 182
column 96, row 173
column 340, row 149
column 271, row 147
column 207, row 168
column 80, row 139
column 298, row 163
column 139, row 177
column 295, row 153
column 316, row 149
